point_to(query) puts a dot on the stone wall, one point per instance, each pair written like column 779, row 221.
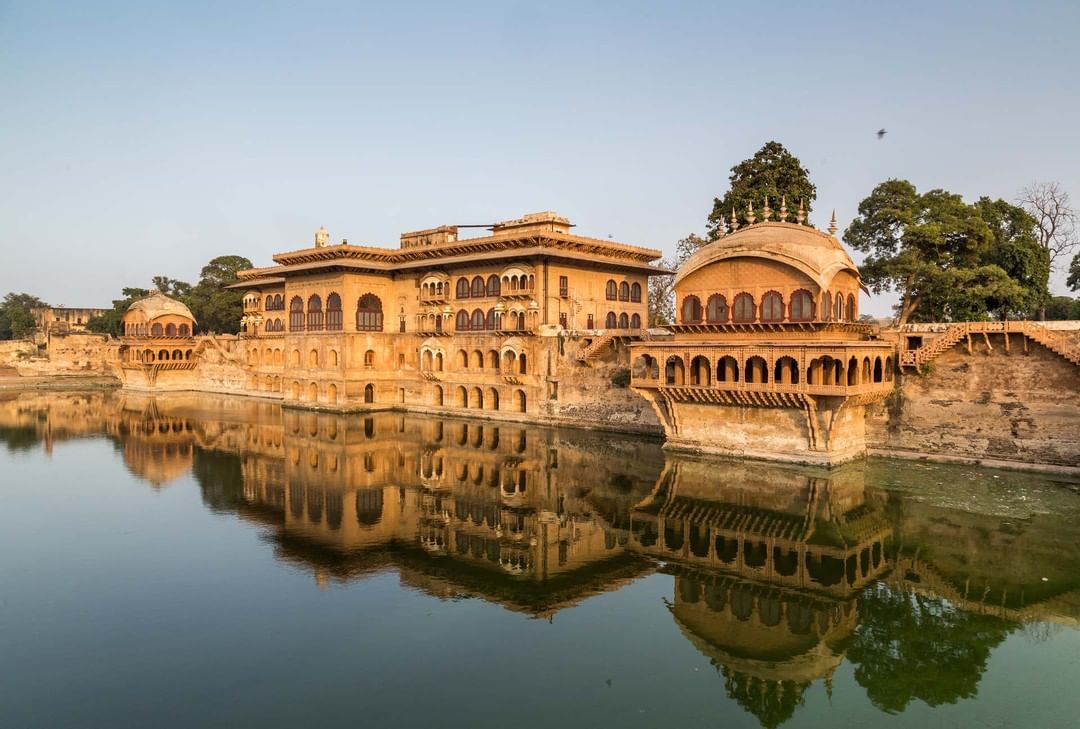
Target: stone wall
column 1015, row 407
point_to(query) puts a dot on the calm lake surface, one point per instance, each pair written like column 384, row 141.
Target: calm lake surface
column 189, row 561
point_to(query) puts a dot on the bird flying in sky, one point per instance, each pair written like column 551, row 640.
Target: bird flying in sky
column 881, row 133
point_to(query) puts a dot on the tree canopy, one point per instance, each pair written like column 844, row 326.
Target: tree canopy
column 215, row 308
column 17, row 316
column 772, row 172
column 947, row 259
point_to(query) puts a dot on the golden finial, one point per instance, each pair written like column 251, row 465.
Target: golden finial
column 750, row 213
column 767, row 212
column 783, row 208
column 832, row 223
column 721, row 229
column 734, row 220
column 800, row 216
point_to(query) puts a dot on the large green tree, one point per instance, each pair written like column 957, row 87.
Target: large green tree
column 948, row 260
column 1074, row 273
column 772, row 172
column 216, row 308
column 17, row 316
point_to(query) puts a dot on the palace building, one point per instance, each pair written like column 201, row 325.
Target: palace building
column 442, row 322
column 767, row 357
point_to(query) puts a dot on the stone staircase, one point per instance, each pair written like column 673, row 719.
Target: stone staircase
column 1032, row 330
column 591, row 352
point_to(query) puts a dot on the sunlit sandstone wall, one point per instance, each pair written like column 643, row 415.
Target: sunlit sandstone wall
column 1013, row 407
column 71, row 354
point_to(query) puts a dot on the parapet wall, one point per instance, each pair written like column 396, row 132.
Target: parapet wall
column 1015, row 407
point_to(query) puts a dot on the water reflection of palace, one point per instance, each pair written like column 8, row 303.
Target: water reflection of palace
column 780, row 574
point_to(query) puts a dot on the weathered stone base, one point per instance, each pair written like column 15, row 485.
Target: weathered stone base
column 1012, row 407
column 825, row 437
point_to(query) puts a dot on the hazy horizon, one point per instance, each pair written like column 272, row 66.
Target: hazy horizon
column 144, row 139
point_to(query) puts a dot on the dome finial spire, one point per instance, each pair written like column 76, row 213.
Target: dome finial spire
column 766, row 213
column 783, row 208
column 721, row 229
column 750, row 218
column 832, row 223
column 800, row 216
column 734, row 220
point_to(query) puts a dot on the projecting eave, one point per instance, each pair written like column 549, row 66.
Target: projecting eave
column 257, row 283
column 448, row 262
column 427, row 255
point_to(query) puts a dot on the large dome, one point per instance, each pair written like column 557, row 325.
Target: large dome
column 158, row 304
column 819, row 255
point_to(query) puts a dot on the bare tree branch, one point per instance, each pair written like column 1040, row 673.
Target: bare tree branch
column 1055, row 217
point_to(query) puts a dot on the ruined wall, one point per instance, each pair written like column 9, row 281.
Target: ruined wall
column 587, row 393
column 988, row 405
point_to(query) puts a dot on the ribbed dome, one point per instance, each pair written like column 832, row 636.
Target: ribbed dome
column 819, row 255
column 158, row 304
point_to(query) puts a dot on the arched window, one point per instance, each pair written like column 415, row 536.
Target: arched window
column 477, row 287
column 334, row 319
column 624, row 321
column 826, row 306
column 185, row 330
column 624, row 291
column 612, row 291
column 463, row 288
column 461, row 322
column 477, row 323
column 744, row 308
column 269, row 305
column 369, row 314
column 674, row 370
column 314, row 313
column 369, row 358
column 492, row 322
column 801, row 307
column 635, row 321
column 493, row 287
column 635, row 292
column 611, row 320
column 369, row 393
column 296, row 314
column 851, row 314
column 156, row 330
column 772, row 307
column 716, row 309
column 838, row 308
column 170, row 330
column 691, row 310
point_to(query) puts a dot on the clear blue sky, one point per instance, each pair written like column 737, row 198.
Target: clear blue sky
column 139, row 138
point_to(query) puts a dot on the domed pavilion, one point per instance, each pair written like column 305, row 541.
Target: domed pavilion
column 158, row 335
column 767, row 357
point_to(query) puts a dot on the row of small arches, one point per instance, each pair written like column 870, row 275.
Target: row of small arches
column 478, row 287
column 157, row 330
column 622, row 291
column 772, row 308
column 476, row 398
column 785, row 370
column 508, row 362
column 369, row 314
column 163, row 355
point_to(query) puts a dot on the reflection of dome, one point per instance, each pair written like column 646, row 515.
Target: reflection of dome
column 158, row 463
column 158, row 304
column 818, row 255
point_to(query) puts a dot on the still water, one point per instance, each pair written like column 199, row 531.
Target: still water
column 187, row 561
